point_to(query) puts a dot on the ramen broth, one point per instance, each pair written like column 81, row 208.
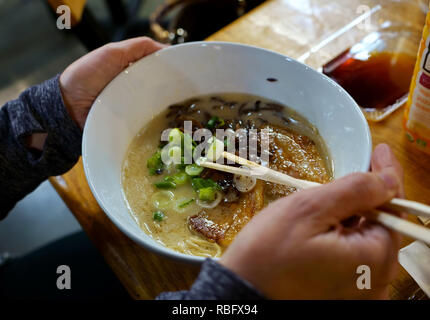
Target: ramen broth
column 295, row 148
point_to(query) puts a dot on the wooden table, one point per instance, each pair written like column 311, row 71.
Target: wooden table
column 295, row 28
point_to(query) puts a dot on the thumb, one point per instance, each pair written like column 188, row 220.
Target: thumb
column 351, row 195
column 137, row 48
column 383, row 159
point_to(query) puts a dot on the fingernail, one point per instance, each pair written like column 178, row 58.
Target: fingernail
column 390, row 179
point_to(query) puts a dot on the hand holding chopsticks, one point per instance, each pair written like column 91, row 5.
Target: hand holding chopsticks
column 390, row 221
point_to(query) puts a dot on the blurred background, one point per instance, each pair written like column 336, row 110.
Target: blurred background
column 32, row 50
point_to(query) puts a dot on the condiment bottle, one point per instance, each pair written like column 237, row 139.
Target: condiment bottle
column 417, row 112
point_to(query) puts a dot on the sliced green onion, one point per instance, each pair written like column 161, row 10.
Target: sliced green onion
column 189, row 144
column 175, row 153
column 175, row 136
column 197, row 183
column 154, row 160
column 200, row 183
column 180, row 205
column 181, row 167
column 185, row 203
column 165, row 158
column 158, row 216
column 212, row 122
column 165, row 185
column 215, row 149
column 215, row 122
column 155, row 163
column 180, row 178
column 162, row 199
column 210, row 204
column 207, row 194
column 193, row 169
column 189, row 138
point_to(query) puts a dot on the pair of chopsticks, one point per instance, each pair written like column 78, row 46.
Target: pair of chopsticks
column 402, row 226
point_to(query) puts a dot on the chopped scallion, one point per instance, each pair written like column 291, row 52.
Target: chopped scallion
column 185, row 203
column 199, row 183
column 155, row 163
column 158, row 216
column 215, row 122
column 175, row 136
column 193, row 169
column 165, row 185
column 207, row 194
column 180, row 178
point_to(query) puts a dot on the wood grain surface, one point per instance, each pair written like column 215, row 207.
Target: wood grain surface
column 288, row 27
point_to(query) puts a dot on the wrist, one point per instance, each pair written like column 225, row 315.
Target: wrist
column 70, row 106
column 245, row 270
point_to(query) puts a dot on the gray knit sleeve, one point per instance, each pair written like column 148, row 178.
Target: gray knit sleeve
column 215, row 282
column 39, row 109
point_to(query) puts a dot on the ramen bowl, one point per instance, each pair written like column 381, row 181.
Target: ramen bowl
column 177, row 73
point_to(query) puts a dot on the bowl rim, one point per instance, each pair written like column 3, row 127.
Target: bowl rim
column 159, row 249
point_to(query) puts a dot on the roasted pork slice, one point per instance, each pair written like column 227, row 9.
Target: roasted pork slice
column 222, row 223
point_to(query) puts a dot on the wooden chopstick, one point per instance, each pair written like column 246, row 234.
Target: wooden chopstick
column 402, row 226
column 397, row 205
column 412, row 207
column 390, row 221
column 267, row 174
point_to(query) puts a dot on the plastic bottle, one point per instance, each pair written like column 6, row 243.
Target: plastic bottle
column 417, row 112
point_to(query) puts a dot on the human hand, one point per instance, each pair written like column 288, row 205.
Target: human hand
column 309, row 245
column 84, row 79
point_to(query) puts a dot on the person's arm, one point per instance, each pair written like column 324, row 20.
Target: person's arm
column 37, row 117
column 215, row 282
column 41, row 131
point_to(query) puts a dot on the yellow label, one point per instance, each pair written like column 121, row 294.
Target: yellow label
column 417, row 113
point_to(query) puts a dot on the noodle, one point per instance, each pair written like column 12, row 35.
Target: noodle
column 198, row 247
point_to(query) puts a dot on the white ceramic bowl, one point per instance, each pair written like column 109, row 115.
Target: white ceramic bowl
column 179, row 72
